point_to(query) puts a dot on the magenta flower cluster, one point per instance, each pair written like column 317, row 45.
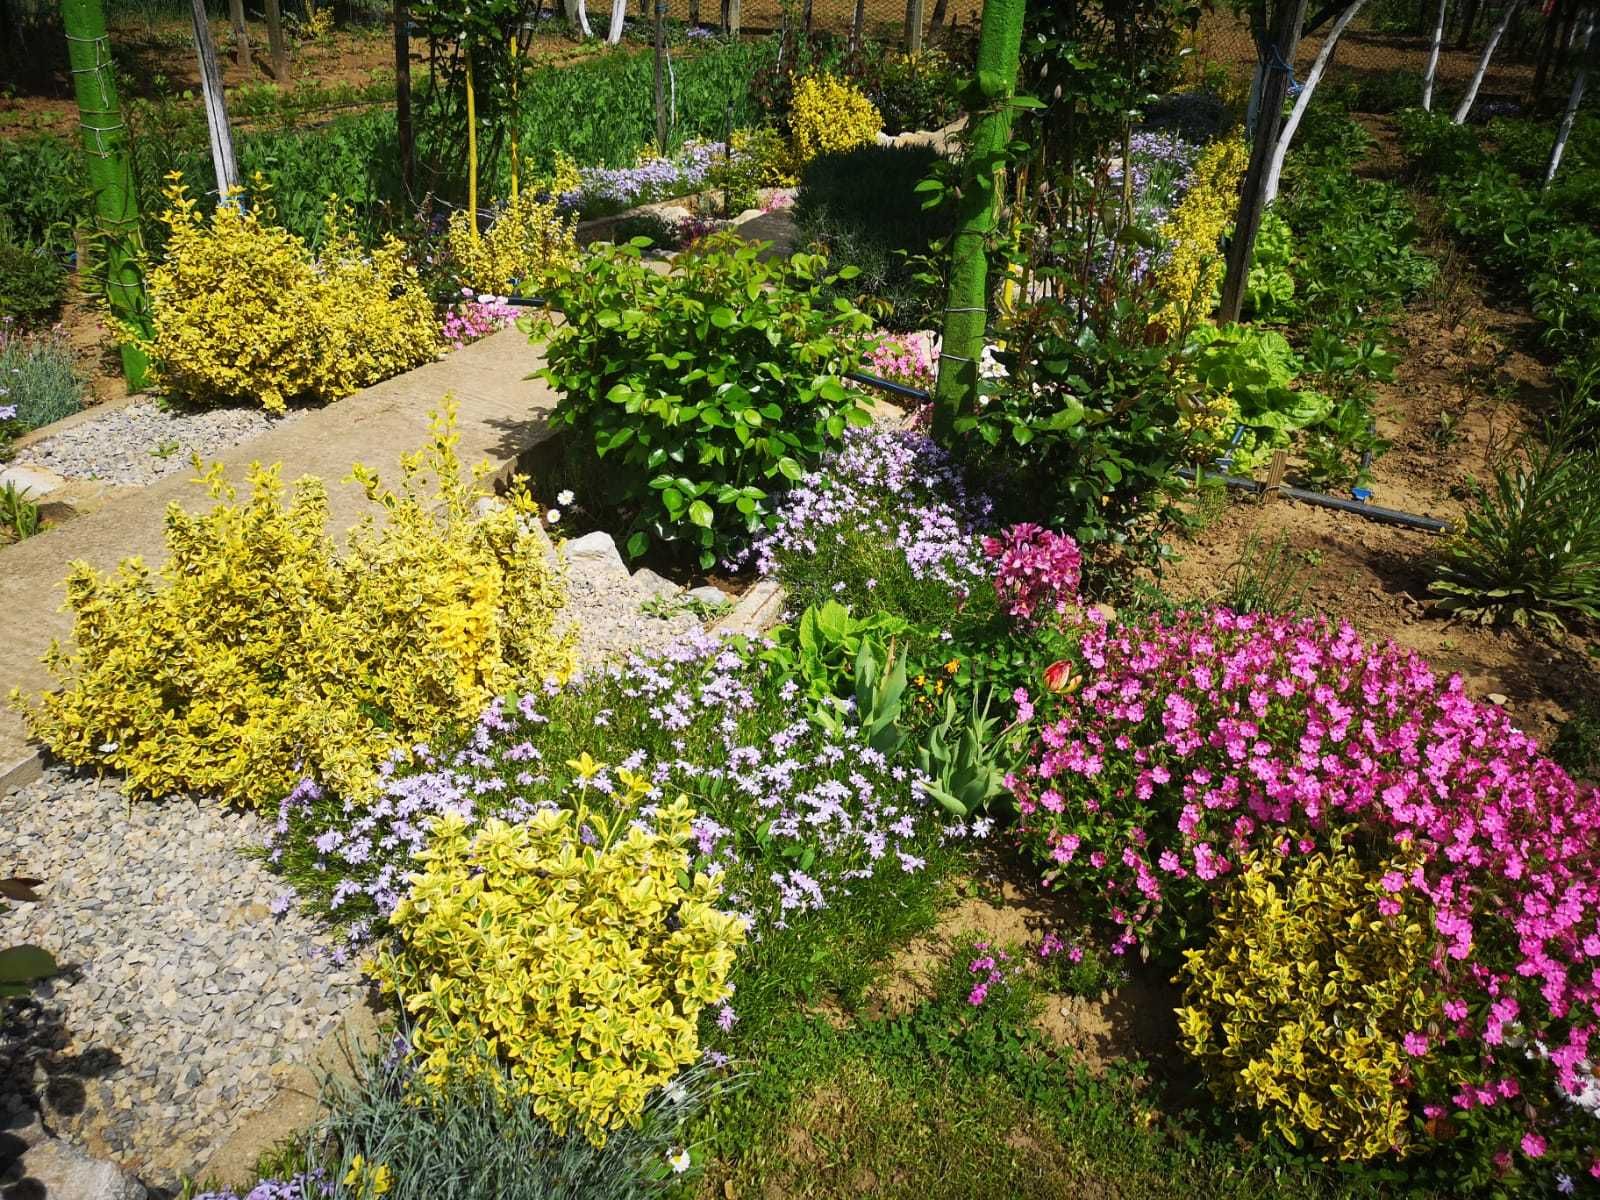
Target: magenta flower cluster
column 988, row 971
column 1200, row 740
column 475, row 317
column 1036, row 571
column 908, row 358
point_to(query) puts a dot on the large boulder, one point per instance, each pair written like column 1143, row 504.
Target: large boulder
column 56, row 1170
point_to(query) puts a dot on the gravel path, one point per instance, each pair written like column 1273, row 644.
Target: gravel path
column 186, row 1000
column 139, row 443
column 185, row 997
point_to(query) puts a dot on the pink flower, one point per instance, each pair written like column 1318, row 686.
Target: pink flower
column 1533, row 1145
column 1415, row 1044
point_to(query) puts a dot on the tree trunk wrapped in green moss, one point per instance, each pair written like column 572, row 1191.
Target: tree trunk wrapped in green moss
column 109, row 170
column 965, row 318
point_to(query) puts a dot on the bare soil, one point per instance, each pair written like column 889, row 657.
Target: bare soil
column 1472, row 382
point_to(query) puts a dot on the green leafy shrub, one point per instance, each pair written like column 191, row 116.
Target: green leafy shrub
column 1577, row 743
column 701, row 389
column 911, row 91
column 32, row 283
column 1435, row 143
column 259, row 654
column 1270, row 286
column 1303, row 1000
column 1528, row 552
column 1254, row 368
column 581, row 961
column 44, row 193
column 862, row 208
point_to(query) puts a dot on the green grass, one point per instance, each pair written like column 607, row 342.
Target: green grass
column 950, row 1101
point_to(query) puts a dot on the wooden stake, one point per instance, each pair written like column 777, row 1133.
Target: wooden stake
column 856, row 23
column 402, row 98
column 1291, row 16
column 280, row 57
column 914, row 15
column 1276, row 470
column 662, row 132
column 241, row 36
column 216, row 110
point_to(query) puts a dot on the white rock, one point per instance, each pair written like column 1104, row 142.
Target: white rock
column 707, row 594
column 650, row 585
column 595, row 553
column 1495, row 698
column 31, row 478
column 57, row 1170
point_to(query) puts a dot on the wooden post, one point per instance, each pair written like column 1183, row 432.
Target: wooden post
column 241, row 35
column 857, row 24
column 914, row 13
column 280, row 57
column 1291, row 15
column 1469, row 18
column 1547, row 48
column 805, row 17
column 730, row 17
column 216, row 110
column 404, row 131
column 661, row 77
column 694, row 14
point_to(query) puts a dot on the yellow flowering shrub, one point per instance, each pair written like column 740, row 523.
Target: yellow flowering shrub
column 1192, row 271
column 829, row 115
column 583, row 968
column 259, row 653
column 1300, row 1004
column 528, row 239
column 242, row 310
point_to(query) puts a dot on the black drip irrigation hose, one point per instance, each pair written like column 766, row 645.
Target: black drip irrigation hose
column 1361, row 508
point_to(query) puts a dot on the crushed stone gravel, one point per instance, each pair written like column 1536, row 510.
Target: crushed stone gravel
column 141, row 442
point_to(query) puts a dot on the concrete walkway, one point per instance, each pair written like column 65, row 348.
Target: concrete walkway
column 501, row 414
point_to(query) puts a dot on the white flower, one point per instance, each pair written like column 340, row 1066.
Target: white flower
column 553, row 515
column 679, row 1161
column 676, row 1092
column 108, row 747
column 564, row 498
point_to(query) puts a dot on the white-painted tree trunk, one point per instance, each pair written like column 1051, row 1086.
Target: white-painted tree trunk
column 1433, row 57
column 1465, row 107
column 1303, row 101
column 619, row 12
column 1574, row 99
column 578, row 15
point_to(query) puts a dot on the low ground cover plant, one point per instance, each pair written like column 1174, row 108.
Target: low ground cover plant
column 258, row 653
column 703, row 391
column 39, row 381
column 861, row 207
column 243, row 312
